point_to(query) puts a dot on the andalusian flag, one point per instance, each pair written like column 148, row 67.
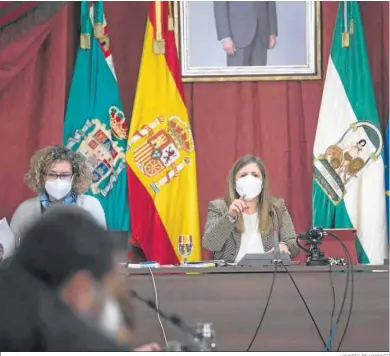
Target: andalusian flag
column 161, row 153
column 387, row 178
column 348, row 150
column 94, row 122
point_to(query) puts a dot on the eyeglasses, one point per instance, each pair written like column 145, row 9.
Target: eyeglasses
column 62, row 176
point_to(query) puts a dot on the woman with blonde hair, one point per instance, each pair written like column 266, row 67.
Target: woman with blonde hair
column 57, row 175
column 244, row 221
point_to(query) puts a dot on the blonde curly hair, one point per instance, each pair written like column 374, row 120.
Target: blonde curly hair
column 43, row 159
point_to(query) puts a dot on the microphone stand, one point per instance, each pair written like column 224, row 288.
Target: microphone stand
column 277, row 254
column 197, row 340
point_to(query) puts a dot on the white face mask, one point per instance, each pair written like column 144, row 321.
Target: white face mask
column 111, row 318
column 58, row 188
column 249, row 186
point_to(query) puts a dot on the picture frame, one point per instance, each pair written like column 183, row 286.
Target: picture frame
column 296, row 55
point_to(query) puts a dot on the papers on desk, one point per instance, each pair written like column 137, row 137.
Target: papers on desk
column 144, row 265
column 7, row 240
column 214, row 263
column 199, row 264
column 131, row 265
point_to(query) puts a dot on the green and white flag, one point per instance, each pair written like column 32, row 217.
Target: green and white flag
column 348, row 150
column 95, row 124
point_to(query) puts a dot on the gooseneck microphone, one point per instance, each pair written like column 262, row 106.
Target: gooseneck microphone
column 275, row 234
column 200, row 340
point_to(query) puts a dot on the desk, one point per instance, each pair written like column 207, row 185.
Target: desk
column 233, row 298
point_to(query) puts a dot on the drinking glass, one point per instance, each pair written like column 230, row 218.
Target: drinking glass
column 185, row 247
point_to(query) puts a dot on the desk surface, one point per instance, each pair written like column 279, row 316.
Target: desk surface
column 233, row 299
column 238, row 269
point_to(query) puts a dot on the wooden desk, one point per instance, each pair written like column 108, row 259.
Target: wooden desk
column 234, row 299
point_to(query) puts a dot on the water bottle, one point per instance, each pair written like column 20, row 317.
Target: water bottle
column 206, row 336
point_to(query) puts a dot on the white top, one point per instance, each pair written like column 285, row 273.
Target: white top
column 30, row 211
column 251, row 241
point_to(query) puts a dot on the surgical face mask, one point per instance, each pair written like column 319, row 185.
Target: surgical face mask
column 249, row 186
column 58, row 188
column 110, row 319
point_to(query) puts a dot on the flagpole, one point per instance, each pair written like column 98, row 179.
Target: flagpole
column 387, row 188
column 345, row 37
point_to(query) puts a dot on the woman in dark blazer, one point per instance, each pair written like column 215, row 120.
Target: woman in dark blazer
column 243, row 222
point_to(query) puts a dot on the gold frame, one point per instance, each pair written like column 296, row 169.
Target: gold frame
column 254, row 78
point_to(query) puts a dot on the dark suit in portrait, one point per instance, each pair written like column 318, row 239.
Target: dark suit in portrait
column 249, row 24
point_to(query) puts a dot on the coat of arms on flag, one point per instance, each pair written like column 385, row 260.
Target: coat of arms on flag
column 163, row 151
column 104, row 155
column 345, row 159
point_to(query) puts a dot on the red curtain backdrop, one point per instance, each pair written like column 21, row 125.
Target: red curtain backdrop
column 275, row 120
column 32, row 98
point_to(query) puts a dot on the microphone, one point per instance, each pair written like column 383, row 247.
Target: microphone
column 173, row 319
column 275, row 234
column 197, row 341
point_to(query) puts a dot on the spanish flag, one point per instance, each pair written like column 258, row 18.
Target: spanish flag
column 161, row 153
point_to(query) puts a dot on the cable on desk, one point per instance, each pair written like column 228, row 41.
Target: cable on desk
column 333, row 306
column 304, row 302
column 335, row 325
column 265, row 308
column 157, row 307
column 350, row 277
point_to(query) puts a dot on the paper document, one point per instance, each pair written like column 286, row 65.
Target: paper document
column 7, row 240
column 200, row 265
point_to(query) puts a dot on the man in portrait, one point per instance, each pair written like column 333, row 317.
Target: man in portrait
column 247, row 30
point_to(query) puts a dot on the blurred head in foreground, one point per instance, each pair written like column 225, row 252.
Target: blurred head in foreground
column 68, row 251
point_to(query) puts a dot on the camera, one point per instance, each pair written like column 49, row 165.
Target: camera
column 316, row 234
column 314, row 237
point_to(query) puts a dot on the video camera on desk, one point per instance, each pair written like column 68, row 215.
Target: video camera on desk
column 330, row 247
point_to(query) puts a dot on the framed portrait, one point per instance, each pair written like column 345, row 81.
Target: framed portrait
column 248, row 40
